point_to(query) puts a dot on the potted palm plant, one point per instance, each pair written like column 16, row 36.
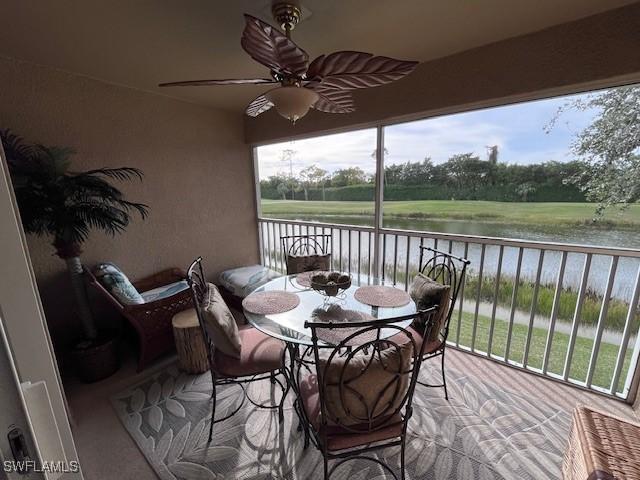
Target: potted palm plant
column 66, row 205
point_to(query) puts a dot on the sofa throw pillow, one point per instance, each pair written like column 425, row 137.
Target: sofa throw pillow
column 308, row 263
column 426, row 292
column 220, row 324
column 362, row 376
column 117, row 284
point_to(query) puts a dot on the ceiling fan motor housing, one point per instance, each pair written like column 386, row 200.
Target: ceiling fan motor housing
column 287, row 14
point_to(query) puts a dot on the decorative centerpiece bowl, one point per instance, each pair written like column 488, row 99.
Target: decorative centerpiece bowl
column 330, row 283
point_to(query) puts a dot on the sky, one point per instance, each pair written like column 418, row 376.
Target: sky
column 518, row 130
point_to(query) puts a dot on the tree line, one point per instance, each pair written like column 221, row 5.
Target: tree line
column 463, row 177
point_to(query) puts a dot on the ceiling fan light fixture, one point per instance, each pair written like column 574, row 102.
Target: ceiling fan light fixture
column 292, row 102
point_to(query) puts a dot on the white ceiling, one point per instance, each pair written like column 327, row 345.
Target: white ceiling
column 140, row 43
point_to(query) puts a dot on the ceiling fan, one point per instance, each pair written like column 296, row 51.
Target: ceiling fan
column 324, row 84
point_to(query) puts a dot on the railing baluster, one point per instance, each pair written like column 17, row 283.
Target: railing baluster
column 369, row 256
column 349, row 251
column 496, row 290
column 384, row 256
column 332, row 261
column 514, row 304
column 534, row 309
column 279, row 248
column 626, row 333
column 477, row 309
column 340, row 240
column 582, row 291
column 406, row 267
column 461, row 299
column 602, row 318
column 275, row 246
column 261, row 234
column 359, row 245
column 269, row 245
column 395, row 258
column 554, row 313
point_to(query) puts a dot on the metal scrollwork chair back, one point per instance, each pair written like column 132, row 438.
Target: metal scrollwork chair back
column 259, row 365
column 364, row 386
column 447, row 269
column 305, row 246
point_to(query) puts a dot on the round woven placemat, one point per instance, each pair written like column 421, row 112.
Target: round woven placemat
column 382, row 296
column 271, row 302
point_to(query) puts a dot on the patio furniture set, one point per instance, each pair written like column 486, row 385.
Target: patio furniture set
column 351, row 355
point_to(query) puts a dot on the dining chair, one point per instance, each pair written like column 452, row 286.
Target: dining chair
column 356, row 395
column 261, row 356
column 304, row 253
column 446, row 269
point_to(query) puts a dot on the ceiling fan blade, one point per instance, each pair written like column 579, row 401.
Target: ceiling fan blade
column 333, row 101
column 258, row 106
column 224, row 81
column 267, row 45
column 349, row 70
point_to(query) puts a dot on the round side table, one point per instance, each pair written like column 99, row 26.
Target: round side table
column 191, row 348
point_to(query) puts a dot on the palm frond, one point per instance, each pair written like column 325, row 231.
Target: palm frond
column 90, row 186
column 15, row 148
column 65, row 204
column 120, row 173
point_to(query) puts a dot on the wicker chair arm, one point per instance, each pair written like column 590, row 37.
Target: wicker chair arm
column 155, row 317
column 167, row 303
column 159, row 279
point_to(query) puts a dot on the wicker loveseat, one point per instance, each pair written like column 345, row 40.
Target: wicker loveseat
column 151, row 320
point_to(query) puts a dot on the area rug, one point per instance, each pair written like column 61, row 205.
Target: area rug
column 483, row 432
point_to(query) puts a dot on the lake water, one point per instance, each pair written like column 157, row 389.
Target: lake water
column 583, row 235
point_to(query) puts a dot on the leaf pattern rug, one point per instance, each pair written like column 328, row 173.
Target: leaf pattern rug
column 483, row 432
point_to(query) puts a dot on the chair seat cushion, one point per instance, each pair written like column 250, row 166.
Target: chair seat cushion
column 244, row 280
column 430, row 347
column 339, row 438
column 260, row 353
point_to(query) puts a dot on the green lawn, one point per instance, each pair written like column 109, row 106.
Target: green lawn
column 503, row 212
column 581, row 355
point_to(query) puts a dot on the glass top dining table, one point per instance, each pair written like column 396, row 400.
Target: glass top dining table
column 290, row 326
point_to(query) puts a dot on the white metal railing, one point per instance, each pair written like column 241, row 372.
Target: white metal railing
column 563, row 311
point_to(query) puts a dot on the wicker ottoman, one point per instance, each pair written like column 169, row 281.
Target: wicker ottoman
column 603, row 447
column 192, row 351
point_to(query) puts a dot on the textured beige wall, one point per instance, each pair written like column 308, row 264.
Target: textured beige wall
column 582, row 54
column 198, row 175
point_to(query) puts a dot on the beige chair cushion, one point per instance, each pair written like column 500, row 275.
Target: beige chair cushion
column 308, row 263
column 220, row 324
column 372, row 389
column 426, row 292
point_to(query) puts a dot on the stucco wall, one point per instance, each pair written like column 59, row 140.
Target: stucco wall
column 198, row 176
column 592, row 52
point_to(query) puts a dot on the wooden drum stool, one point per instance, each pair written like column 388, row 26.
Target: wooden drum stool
column 192, row 351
